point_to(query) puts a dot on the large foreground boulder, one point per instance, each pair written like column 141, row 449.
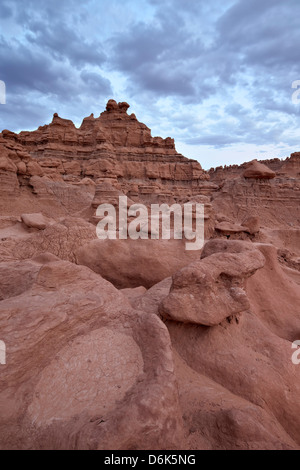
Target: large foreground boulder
column 82, row 369
column 211, row 289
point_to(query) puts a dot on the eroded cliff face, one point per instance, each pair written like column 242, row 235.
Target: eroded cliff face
column 287, row 167
column 116, row 148
column 140, row 344
column 266, row 192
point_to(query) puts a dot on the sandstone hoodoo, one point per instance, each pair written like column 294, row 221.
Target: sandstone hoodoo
column 259, row 171
column 139, row 343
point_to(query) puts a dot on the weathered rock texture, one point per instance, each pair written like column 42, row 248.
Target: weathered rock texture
column 141, row 344
column 114, row 147
column 208, row 291
column 81, row 369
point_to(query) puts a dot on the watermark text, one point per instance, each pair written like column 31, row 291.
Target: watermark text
column 156, row 222
column 296, row 354
column 2, row 353
column 2, row 92
column 296, row 94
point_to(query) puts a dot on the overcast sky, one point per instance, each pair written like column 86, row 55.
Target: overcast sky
column 217, row 76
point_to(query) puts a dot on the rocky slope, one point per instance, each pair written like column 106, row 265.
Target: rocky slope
column 141, row 344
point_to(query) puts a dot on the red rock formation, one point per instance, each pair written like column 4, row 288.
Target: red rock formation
column 194, row 350
column 258, row 171
column 114, row 147
column 209, row 290
column 82, row 369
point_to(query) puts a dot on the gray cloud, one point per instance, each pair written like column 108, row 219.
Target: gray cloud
column 5, row 11
column 63, row 43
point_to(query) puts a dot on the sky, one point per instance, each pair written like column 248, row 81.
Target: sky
column 216, row 76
